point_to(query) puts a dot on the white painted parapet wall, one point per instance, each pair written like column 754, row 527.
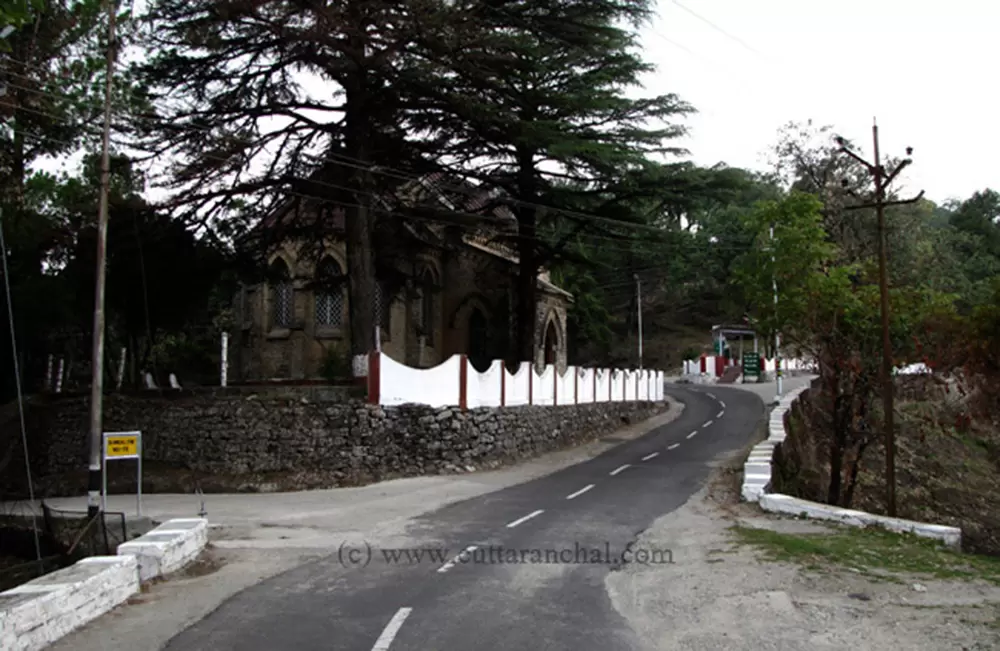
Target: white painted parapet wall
column 455, row 382
column 757, row 487
column 36, row 614
column 168, row 547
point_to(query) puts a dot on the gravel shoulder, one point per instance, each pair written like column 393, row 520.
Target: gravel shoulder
column 722, row 594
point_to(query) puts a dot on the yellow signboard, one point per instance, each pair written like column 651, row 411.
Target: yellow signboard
column 121, row 446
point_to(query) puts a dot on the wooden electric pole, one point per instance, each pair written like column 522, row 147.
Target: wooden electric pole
column 882, row 180
column 97, row 362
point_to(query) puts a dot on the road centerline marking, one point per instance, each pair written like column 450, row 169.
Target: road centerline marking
column 391, row 629
column 692, row 434
column 580, row 492
column 675, row 445
column 511, row 525
column 707, row 423
column 719, row 415
column 618, row 470
column 458, row 559
column 722, row 404
column 651, row 456
column 712, row 396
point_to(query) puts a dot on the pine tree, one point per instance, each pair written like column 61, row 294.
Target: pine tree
column 236, row 112
column 537, row 102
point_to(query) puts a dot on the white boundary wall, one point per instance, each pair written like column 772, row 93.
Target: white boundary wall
column 441, row 385
column 757, row 486
column 694, row 366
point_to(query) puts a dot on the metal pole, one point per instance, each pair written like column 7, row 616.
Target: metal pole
column 121, row 368
column 94, row 484
column 887, row 388
column 743, row 375
column 104, row 475
column 225, row 358
column 138, row 492
column 638, row 307
column 777, row 335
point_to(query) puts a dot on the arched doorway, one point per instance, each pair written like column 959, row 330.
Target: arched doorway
column 551, row 341
column 479, row 349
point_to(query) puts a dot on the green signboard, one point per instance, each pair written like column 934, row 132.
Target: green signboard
column 751, row 364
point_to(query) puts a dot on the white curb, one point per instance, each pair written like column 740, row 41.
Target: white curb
column 778, row 503
column 757, row 486
column 39, row 612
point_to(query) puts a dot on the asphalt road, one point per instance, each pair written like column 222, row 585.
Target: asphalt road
column 535, row 578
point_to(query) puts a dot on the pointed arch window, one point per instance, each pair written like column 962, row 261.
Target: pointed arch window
column 283, row 294
column 329, row 294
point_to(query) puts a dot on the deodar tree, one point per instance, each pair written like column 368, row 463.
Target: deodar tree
column 536, row 104
column 260, row 101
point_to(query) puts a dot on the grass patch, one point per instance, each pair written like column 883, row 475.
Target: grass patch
column 871, row 549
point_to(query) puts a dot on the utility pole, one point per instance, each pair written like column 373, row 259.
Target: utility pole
column 638, row 308
column 97, row 362
column 777, row 333
column 882, row 181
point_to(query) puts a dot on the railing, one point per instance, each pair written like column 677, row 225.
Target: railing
column 455, row 382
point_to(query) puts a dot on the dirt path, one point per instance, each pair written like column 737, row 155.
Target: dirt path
column 721, row 594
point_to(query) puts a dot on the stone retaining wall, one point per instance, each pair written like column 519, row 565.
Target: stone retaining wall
column 247, row 437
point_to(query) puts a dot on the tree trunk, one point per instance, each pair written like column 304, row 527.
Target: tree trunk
column 861, row 389
column 852, row 478
column 527, row 280
column 836, row 442
column 358, row 216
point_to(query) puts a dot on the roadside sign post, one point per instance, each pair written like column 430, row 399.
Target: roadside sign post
column 751, row 365
column 119, row 446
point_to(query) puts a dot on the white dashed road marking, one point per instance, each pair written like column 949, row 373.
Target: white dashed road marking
column 618, row 470
column 722, row 404
column 719, row 415
column 712, row 396
column 579, row 492
column 458, row 559
column 391, row 629
column 651, row 456
column 524, row 519
column 693, row 434
column 707, row 423
column 675, row 445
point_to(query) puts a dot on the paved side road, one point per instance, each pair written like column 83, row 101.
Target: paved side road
column 599, row 506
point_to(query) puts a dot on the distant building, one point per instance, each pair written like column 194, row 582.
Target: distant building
column 450, row 292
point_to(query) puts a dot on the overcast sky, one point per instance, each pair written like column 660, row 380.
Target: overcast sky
column 924, row 69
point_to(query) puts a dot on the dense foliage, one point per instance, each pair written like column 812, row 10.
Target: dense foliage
column 241, row 105
column 942, row 306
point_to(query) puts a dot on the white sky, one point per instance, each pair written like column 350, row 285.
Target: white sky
column 923, row 69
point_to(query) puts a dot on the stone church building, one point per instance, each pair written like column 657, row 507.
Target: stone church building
column 450, row 292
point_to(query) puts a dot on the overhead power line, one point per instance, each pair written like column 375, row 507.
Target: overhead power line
column 711, row 24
